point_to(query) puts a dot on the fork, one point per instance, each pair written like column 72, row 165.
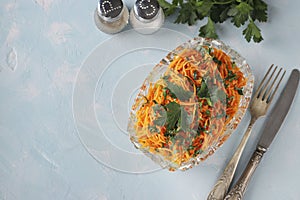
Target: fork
column 258, row 108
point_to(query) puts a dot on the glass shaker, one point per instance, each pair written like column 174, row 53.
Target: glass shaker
column 111, row 16
column 146, row 16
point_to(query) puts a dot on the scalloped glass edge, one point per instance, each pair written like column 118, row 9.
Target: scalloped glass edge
column 230, row 127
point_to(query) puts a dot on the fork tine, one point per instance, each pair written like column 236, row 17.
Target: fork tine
column 266, row 95
column 270, row 98
column 265, row 87
column 261, row 83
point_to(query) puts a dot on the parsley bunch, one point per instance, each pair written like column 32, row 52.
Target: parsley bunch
column 240, row 12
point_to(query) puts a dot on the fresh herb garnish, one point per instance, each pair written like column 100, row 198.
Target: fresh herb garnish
column 252, row 32
column 207, row 112
column 200, row 105
column 240, row 91
column 208, row 101
column 240, row 12
column 208, row 30
column 171, row 135
column 176, row 91
column 153, row 129
column 211, row 94
column 200, row 130
column 176, row 118
column 219, row 95
column 216, row 60
column 198, row 151
column 159, row 114
column 184, row 120
column 231, row 76
column 160, row 121
column 202, row 91
column 220, row 116
column 195, row 75
column 165, row 91
column 173, row 115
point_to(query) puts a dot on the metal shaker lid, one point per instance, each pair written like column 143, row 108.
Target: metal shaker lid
column 146, row 9
column 110, row 9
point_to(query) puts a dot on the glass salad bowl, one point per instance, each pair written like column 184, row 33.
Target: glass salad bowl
column 190, row 103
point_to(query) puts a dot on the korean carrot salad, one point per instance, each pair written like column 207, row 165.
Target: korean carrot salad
column 185, row 111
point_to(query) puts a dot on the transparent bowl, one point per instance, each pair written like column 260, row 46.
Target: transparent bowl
column 228, row 127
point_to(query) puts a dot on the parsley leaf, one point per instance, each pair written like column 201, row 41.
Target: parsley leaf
column 216, row 60
column 240, row 91
column 177, row 118
column 187, row 13
column 152, row 129
column 211, row 93
column 208, row 30
column 184, row 120
column 160, row 115
column 168, row 8
column 217, row 11
column 219, row 95
column 203, row 90
column 177, row 91
column 252, row 32
column 173, row 114
column 260, row 10
column 160, row 121
column 203, row 93
column 231, row 76
column 240, row 13
column 203, row 7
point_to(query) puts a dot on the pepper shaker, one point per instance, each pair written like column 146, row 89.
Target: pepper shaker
column 111, row 16
column 146, row 16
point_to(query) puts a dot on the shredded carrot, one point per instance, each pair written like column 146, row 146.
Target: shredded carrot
column 189, row 71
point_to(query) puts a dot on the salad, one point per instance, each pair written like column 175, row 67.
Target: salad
column 184, row 112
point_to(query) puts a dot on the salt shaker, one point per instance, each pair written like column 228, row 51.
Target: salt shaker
column 111, row 16
column 146, row 16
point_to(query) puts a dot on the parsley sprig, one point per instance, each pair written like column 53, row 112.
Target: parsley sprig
column 240, row 12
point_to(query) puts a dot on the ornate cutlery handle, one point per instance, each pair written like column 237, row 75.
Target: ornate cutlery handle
column 221, row 187
column 239, row 189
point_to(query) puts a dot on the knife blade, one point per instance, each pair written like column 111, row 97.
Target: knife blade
column 272, row 125
column 281, row 108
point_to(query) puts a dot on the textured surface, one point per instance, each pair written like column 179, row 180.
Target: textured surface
column 43, row 44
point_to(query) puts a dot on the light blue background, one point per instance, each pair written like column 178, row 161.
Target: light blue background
column 43, row 44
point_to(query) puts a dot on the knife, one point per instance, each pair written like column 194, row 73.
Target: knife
column 270, row 130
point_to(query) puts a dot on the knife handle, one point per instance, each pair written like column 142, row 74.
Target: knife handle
column 238, row 191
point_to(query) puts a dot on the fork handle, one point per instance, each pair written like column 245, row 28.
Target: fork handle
column 221, row 187
column 238, row 191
